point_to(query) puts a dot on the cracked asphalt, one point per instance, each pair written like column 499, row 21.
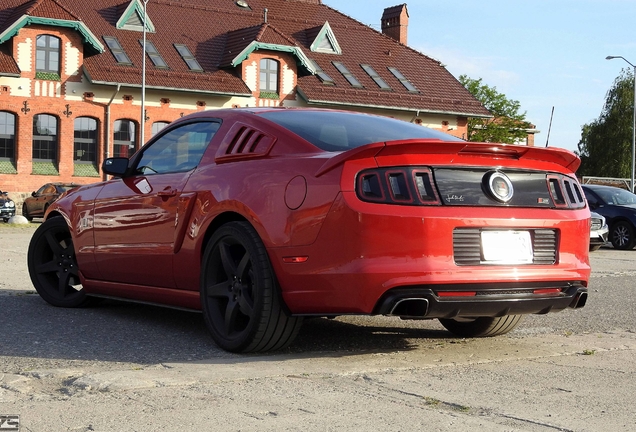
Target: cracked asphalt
column 127, row 367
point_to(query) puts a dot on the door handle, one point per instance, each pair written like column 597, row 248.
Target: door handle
column 167, row 192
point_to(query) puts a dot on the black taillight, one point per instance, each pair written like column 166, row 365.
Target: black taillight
column 407, row 186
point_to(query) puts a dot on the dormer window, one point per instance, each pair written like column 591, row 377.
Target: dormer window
column 47, row 56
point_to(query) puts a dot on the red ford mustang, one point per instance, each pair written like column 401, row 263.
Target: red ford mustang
column 260, row 217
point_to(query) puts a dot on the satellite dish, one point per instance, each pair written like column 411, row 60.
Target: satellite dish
column 242, row 3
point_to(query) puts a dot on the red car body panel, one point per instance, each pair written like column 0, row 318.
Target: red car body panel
column 142, row 237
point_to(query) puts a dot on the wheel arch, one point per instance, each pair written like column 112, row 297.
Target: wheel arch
column 218, row 222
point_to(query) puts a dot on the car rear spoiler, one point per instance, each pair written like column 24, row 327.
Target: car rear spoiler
column 559, row 156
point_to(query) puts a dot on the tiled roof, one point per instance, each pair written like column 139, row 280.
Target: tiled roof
column 216, row 31
column 8, row 66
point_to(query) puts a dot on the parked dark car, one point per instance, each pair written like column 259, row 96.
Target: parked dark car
column 598, row 232
column 40, row 200
column 7, row 207
column 260, row 217
column 618, row 206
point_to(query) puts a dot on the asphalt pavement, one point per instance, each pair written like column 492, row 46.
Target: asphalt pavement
column 128, row 367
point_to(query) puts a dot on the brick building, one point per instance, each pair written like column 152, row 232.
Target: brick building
column 71, row 74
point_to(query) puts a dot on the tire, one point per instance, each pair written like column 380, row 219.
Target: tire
column 53, row 267
column 240, row 297
column 622, row 235
column 25, row 212
column 481, row 327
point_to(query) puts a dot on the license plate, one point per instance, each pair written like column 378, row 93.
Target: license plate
column 506, row 247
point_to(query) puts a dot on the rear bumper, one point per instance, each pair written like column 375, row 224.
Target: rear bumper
column 365, row 251
column 484, row 300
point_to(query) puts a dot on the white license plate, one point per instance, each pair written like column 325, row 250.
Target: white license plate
column 506, row 247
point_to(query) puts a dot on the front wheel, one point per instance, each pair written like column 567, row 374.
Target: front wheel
column 53, row 266
column 241, row 303
column 622, row 235
column 481, row 327
column 25, row 212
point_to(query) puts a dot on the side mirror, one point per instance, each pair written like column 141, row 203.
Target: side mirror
column 116, row 166
column 33, row 194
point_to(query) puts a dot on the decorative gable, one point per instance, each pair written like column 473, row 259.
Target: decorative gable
column 241, row 43
column 325, row 41
column 49, row 13
column 132, row 18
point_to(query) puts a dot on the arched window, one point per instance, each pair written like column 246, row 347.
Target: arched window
column 124, row 138
column 47, row 54
column 45, row 144
column 45, row 138
column 85, row 147
column 158, row 126
column 7, row 142
column 269, row 77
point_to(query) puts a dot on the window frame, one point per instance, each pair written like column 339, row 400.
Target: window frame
column 347, row 74
column 7, row 140
column 131, row 143
column 47, row 49
column 53, row 138
column 116, row 49
column 188, row 57
column 269, row 73
column 91, row 142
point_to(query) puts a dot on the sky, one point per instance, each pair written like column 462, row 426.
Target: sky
column 542, row 53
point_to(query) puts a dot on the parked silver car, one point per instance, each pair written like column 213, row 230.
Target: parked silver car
column 598, row 232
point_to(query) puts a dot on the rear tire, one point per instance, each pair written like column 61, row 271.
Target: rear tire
column 481, row 327
column 240, row 298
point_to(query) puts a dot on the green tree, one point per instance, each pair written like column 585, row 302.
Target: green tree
column 507, row 125
column 605, row 147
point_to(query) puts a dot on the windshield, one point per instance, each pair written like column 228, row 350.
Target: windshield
column 616, row 196
column 339, row 131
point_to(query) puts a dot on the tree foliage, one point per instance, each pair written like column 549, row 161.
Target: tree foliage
column 507, row 126
column 605, row 147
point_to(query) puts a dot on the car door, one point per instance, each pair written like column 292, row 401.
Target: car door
column 136, row 216
column 42, row 199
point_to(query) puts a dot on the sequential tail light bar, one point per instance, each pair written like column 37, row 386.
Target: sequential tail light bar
column 406, row 186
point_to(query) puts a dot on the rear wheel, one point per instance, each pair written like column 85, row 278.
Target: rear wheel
column 622, row 235
column 481, row 327
column 241, row 303
column 53, row 267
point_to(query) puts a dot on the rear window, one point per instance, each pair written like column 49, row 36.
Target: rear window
column 339, row 131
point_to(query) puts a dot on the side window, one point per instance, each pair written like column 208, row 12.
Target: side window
column 177, row 150
column 49, row 190
column 591, row 199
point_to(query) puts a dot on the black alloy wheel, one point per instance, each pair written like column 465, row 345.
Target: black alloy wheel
column 622, row 235
column 53, row 267
column 482, row 326
column 240, row 297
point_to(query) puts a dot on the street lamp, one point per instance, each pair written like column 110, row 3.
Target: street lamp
column 634, row 120
column 143, row 81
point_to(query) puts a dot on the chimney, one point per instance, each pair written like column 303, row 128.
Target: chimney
column 395, row 22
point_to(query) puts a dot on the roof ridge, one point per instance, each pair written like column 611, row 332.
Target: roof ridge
column 280, row 33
